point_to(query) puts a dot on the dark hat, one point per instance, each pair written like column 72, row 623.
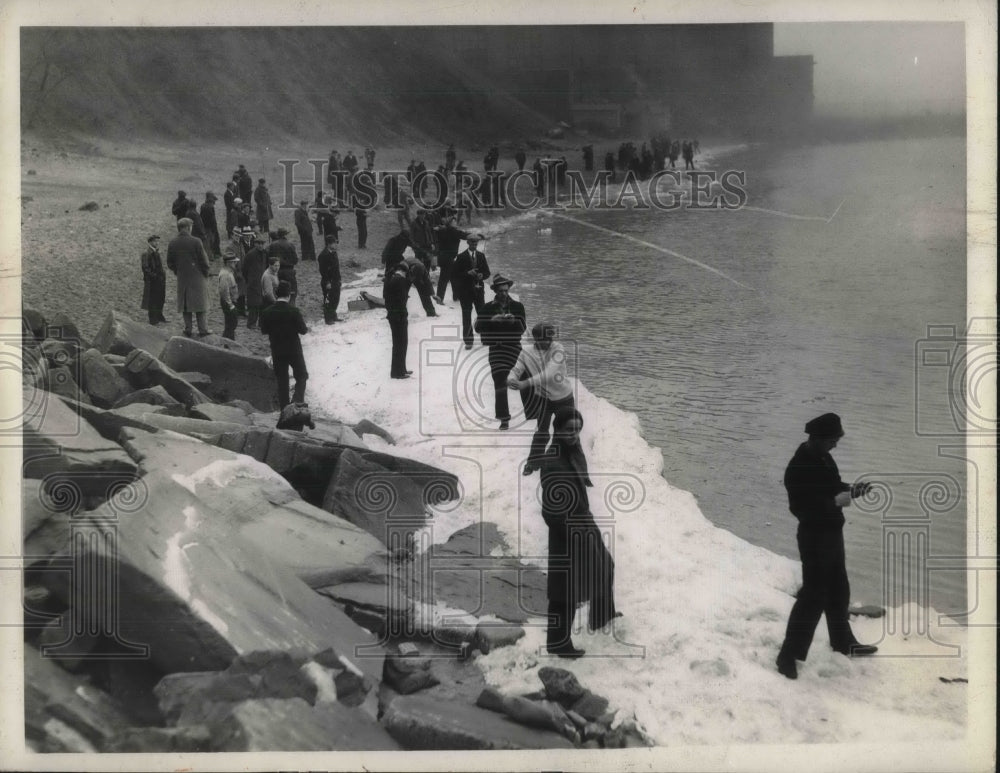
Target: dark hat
column 499, row 280
column 474, row 238
column 181, row 194
column 261, row 179
column 152, row 238
column 211, row 196
column 282, row 232
column 827, row 425
column 284, row 289
column 564, row 415
column 228, row 256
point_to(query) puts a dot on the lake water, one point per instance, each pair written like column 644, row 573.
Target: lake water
column 724, row 377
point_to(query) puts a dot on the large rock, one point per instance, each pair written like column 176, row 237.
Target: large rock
column 198, row 594
column 252, row 500
column 233, row 374
column 59, row 352
column 60, row 381
column 155, row 395
column 221, row 413
column 169, row 740
column 423, row 722
column 120, row 335
column 34, row 322
column 101, row 381
column 561, row 685
column 136, row 410
column 335, row 432
column 383, row 493
column 45, row 522
column 144, row 370
column 293, row 725
column 63, row 328
column 380, row 607
column 67, row 452
column 108, row 423
column 209, row 431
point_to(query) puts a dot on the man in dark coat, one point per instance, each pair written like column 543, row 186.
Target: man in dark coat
column 580, row 568
column 262, row 200
column 422, row 282
column 187, row 259
column 154, row 281
column 180, row 206
column 329, row 279
column 520, row 157
column 327, row 219
column 283, row 324
column 253, row 266
column 229, row 199
column 304, row 226
column 284, row 250
column 468, row 272
column 210, row 223
column 816, row 497
column 448, row 238
column 361, row 220
column 197, row 224
column 245, row 184
column 396, row 290
column 500, row 325
column 422, row 238
column 392, row 253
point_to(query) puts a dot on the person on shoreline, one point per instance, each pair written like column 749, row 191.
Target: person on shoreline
column 580, row 568
column 468, row 272
column 187, row 259
column 328, row 263
column 284, row 250
column 154, row 281
column 262, row 198
column 229, row 200
column 392, row 253
column 180, row 206
column 228, row 294
column 304, row 226
column 245, row 184
column 252, row 267
column 422, row 239
column 816, row 497
column 269, row 282
column 283, row 324
column 396, row 290
column 327, row 220
column 540, row 371
column 197, row 224
column 361, row 221
column 449, row 238
column 208, row 219
column 500, row 325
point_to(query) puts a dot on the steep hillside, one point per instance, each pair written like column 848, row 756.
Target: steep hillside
column 363, row 84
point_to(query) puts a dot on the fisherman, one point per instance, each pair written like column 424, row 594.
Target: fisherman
column 500, row 326
column 283, row 324
column 229, row 199
column 392, row 253
column 422, row 239
column 245, row 184
column 154, row 281
column 269, row 283
column 520, row 157
column 817, row 497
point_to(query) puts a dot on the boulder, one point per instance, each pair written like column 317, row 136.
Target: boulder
column 258, row 504
column 120, row 335
column 293, row 725
column 198, row 594
column 351, row 688
column 368, row 602
column 59, row 352
column 220, row 413
column 108, row 423
column 65, row 451
column 60, row 381
column 243, row 405
column 209, row 431
column 45, row 521
column 491, row 636
column 62, row 328
column 155, row 395
column 407, row 674
column 234, row 374
column 334, row 432
column 33, row 321
column 144, row 370
column 34, row 366
column 424, row 722
column 590, row 706
column 561, row 685
column 136, row 410
column 195, row 378
column 100, row 380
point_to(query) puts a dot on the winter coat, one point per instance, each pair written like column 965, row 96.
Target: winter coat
column 187, row 258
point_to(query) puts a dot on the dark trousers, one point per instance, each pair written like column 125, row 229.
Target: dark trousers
column 502, row 359
column 540, row 440
column 287, row 273
column 362, row 221
column 200, row 317
column 398, row 325
column 308, row 248
column 156, row 292
column 445, row 262
column 231, row 319
column 470, row 301
column 825, row 590
column 331, row 299
column 253, row 316
column 298, row 365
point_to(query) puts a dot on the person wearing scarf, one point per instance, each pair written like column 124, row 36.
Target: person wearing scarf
column 580, row 568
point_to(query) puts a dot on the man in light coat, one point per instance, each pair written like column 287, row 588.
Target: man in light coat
column 186, row 257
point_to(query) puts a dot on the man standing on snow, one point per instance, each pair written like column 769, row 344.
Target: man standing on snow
column 816, row 497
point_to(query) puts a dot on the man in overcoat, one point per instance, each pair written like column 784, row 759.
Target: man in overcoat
column 262, row 198
column 210, row 223
column 253, row 266
column 154, row 281
column 283, row 324
column 187, row 259
column 468, row 272
column 500, row 325
column 817, row 497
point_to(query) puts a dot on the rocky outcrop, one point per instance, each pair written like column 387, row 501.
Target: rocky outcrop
column 221, row 413
column 233, row 374
column 60, row 380
column 120, row 335
column 100, row 380
column 143, row 370
column 155, row 395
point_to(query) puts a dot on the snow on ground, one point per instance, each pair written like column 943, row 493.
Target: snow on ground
column 704, row 612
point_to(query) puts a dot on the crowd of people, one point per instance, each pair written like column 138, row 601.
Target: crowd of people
column 258, row 281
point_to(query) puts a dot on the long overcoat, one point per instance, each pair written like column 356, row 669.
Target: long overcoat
column 187, row 258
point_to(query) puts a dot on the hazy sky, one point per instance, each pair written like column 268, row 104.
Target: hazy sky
column 874, row 68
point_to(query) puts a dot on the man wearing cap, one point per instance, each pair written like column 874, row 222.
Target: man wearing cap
column 396, row 290
column 208, row 219
column 283, row 324
column 284, row 250
column 816, row 497
column 186, row 257
column 448, row 237
column 154, row 281
column 180, row 206
column 500, row 325
column 305, row 228
column 328, row 263
column 262, row 198
column 468, row 272
column 252, row 267
column 228, row 293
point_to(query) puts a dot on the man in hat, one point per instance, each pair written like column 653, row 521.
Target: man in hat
column 228, row 293
column 197, row 225
column 269, row 283
column 284, row 250
column 468, row 272
column 262, row 198
column 422, row 238
column 396, row 291
column 229, row 200
column 500, row 325
column 817, row 497
column 448, row 237
column 245, row 184
column 361, row 221
column 283, row 324
column 329, row 279
column 393, row 251
column 180, row 206
column 186, row 257
column 304, row 226
column 327, row 219
column 154, row 281
column 252, row 267
column 208, row 219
